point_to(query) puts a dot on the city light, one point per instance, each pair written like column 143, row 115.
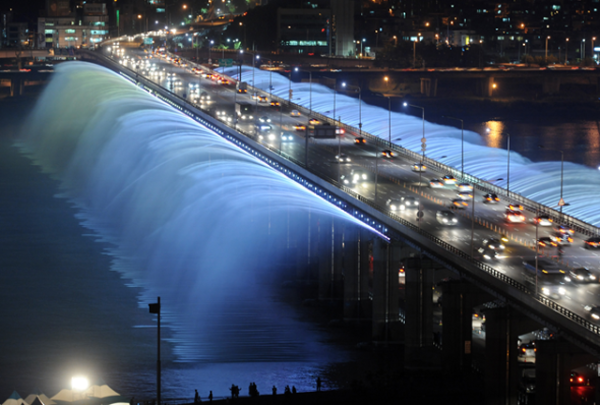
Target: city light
column 79, row 383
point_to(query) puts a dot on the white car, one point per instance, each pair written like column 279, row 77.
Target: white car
column 446, row 218
column 464, row 187
column 264, row 119
column 419, row 167
column 342, row 158
column 354, row 178
column 286, row 136
column 295, row 113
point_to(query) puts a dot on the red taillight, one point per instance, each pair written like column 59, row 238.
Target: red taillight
column 580, row 379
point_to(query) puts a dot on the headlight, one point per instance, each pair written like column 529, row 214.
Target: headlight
column 444, row 220
column 592, row 277
column 393, row 207
column 561, row 291
column 271, row 136
column 364, row 176
column 595, row 316
column 567, row 279
column 545, row 290
column 454, row 220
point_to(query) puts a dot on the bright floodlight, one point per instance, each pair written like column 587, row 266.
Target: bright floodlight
column 79, row 383
column 257, row 57
column 405, row 104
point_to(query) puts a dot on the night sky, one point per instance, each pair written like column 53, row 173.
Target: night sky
column 25, row 10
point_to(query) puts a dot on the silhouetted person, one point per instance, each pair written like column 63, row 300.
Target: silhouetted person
column 274, row 390
column 131, row 401
column 196, row 397
column 210, row 396
column 287, row 391
column 293, row 389
column 318, row 384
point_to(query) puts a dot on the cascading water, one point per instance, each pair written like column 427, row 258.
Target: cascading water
column 539, row 181
column 192, row 218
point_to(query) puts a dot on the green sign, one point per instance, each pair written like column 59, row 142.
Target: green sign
column 226, row 62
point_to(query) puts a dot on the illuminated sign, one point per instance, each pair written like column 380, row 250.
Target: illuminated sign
column 306, row 43
column 70, row 31
column 98, row 32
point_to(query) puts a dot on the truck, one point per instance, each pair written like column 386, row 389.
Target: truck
column 549, row 278
column 245, row 111
column 242, row 87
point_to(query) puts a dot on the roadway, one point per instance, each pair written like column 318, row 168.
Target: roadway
column 385, row 179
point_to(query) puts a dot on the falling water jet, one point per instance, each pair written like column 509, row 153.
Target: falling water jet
column 185, row 212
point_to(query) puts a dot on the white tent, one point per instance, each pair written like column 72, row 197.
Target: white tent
column 66, row 395
column 41, row 396
column 101, row 391
column 15, row 399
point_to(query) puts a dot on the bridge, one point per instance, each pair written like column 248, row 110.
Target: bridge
column 421, row 251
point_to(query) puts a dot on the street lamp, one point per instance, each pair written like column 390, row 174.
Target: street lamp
column 359, row 108
column 547, row 38
column 561, row 202
column 462, row 145
column 583, row 48
column 423, row 144
column 508, row 165
column 290, row 90
column 566, row 50
column 593, row 39
column 210, row 46
column 389, row 113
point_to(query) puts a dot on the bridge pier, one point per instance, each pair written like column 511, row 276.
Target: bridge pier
column 418, row 331
column 386, row 261
column 554, row 361
column 357, row 247
column 503, row 327
column 551, row 85
column 429, row 86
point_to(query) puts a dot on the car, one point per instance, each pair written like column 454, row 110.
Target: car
column 264, row 119
column 287, row 136
column 515, row 217
column 295, row 113
column 436, row 183
column 410, row 202
column 449, row 179
column 263, row 127
column 263, row 99
column 275, row 104
column 489, row 254
column 543, row 220
column 459, row 203
column 360, row 140
column 342, row 158
column 514, row 207
column 314, row 121
column 465, row 195
column 464, row 187
column 580, row 275
column 419, row 167
column 395, row 205
column 594, row 311
column 576, row 379
column 546, row 241
column 494, row 243
column 242, row 90
column 446, row 217
column 592, row 243
column 526, row 352
column 299, row 127
column 387, row 153
column 561, row 238
column 491, row 198
column 224, row 82
column 340, row 131
column 564, row 229
column 354, row 178
column 204, row 97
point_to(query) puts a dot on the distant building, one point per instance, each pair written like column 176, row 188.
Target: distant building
column 304, row 30
column 64, row 28
column 343, row 27
column 17, row 35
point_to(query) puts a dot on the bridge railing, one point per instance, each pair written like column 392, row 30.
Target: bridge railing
column 224, row 129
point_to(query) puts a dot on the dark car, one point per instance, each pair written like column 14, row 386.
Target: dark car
column 580, row 275
column 493, row 243
column 592, row 243
column 491, row 198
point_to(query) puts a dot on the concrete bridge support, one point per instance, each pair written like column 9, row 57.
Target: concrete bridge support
column 551, row 85
column 429, row 86
column 386, row 260
column 418, row 332
column 503, row 327
column 485, row 86
column 554, row 361
column 357, row 248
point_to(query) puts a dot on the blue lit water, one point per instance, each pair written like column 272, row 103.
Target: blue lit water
column 174, row 211
column 534, row 172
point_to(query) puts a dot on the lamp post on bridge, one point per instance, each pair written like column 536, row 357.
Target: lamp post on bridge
column 359, row 107
column 462, row 145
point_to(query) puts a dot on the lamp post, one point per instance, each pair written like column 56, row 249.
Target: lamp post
column 547, row 38
column 566, row 50
column 593, row 39
column 310, row 91
column 462, row 145
column 561, row 202
column 583, row 48
column 423, row 142
column 359, row 108
column 507, row 164
column 210, row 44
column 290, row 90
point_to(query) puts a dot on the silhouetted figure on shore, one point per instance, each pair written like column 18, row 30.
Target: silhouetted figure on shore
column 293, row 389
column 252, row 390
column 210, row 397
column 196, row 397
column 235, row 391
column 274, row 390
column 318, row 384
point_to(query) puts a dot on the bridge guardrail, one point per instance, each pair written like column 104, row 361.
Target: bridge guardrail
column 133, row 77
